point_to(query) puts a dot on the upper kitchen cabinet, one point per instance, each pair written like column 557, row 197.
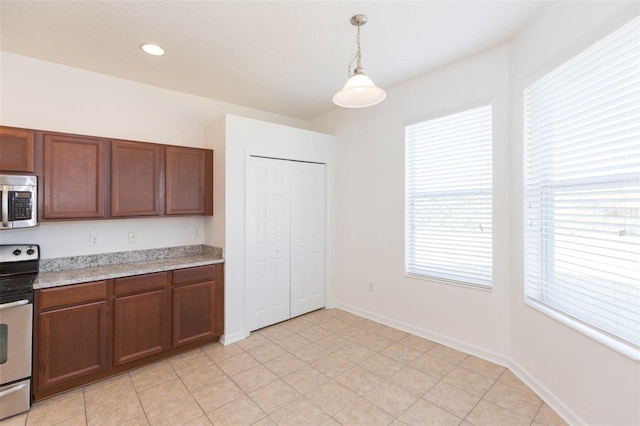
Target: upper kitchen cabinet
column 86, row 177
column 137, row 179
column 16, row 150
column 74, row 177
column 189, row 181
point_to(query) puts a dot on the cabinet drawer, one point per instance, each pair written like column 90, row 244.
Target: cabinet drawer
column 72, row 294
column 141, row 283
column 194, row 275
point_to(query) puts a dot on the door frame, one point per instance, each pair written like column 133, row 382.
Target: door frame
column 233, row 138
column 248, row 155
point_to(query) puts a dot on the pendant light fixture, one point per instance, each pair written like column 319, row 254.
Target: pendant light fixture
column 359, row 91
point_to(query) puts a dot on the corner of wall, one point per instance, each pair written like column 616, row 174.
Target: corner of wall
column 584, row 382
column 215, row 139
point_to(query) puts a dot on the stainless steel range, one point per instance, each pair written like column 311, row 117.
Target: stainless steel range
column 18, row 268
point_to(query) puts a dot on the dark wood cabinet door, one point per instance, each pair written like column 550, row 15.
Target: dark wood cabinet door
column 194, row 313
column 198, row 304
column 137, row 178
column 219, row 299
column 73, row 177
column 140, row 326
column 72, row 343
column 189, row 181
column 88, row 331
column 17, row 150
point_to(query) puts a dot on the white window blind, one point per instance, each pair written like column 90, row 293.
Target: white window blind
column 448, row 197
column 582, row 187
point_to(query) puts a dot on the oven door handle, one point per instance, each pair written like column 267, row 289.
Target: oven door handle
column 14, row 304
column 12, row 390
column 5, row 206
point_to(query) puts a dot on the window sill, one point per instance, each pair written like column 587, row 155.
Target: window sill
column 626, row 349
column 473, row 286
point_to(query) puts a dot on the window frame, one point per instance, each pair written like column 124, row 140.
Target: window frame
column 556, row 310
column 409, row 238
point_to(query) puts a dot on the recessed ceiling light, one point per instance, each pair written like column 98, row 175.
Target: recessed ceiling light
column 152, row 49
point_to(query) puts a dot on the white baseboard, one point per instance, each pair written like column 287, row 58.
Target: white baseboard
column 420, row 332
column 228, row 339
column 330, row 305
column 547, row 396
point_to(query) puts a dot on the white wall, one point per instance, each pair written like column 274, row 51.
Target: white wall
column 43, row 95
column 238, row 138
column 586, row 382
column 590, row 382
column 582, row 379
column 370, row 210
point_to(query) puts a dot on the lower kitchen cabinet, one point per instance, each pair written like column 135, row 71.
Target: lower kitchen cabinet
column 141, row 315
column 194, row 305
column 89, row 331
column 71, row 334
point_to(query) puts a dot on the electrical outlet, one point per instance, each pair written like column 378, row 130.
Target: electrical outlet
column 133, row 237
column 371, row 286
column 197, row 232
column 94, row 239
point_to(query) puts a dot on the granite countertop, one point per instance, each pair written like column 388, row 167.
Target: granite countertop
column 77, row 269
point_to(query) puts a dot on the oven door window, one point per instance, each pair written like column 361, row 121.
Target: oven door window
column 4, row 330
column 16, row 334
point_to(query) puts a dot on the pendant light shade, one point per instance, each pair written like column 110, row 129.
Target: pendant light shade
column 359, row 91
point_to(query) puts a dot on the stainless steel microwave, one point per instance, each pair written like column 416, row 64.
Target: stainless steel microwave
column 19, row 201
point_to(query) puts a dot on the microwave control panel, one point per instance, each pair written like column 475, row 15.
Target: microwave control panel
column 20, row 205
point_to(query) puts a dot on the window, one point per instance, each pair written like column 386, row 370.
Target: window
column 448, row 198
column 582, row 190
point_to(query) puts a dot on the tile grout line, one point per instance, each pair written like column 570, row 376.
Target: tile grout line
column 144, row 412
column 84, row 404
column 330, row 330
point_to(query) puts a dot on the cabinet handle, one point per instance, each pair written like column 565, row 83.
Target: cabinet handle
column 14, row 304
column 5, row 206
column 13, row 390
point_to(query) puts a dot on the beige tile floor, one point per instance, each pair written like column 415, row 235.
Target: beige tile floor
column 328, row 367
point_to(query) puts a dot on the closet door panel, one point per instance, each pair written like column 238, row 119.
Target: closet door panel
column 267, row 242
column 307, row 237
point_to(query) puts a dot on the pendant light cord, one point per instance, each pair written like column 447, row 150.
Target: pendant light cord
column 356, row 56
column 359, row 55
column 359, row 91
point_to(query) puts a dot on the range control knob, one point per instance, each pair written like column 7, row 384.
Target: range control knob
column 30, row 252
column 17, row 252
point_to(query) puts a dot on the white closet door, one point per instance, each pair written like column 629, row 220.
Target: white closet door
column 267, row 242
column 307, row 237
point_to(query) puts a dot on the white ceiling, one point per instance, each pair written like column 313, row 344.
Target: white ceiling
column 286, row 57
